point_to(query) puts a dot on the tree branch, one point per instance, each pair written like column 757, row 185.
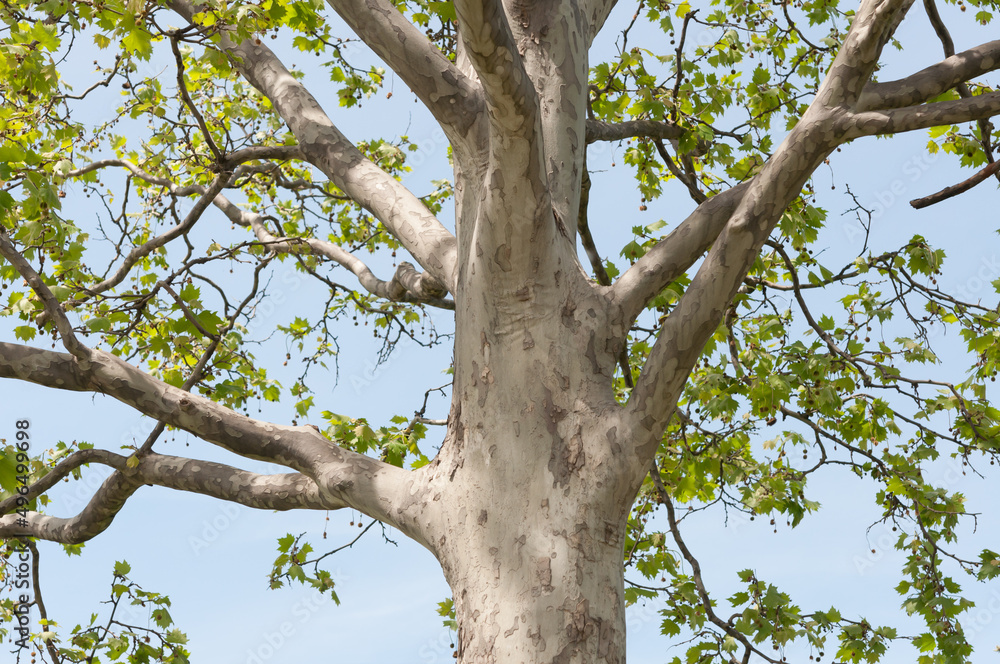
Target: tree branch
column 510, row 96
column 673, row 255
column 852, row 69
column 931, row 81
column 272, row 492
column 453, row 99
column 616, row 131
column 43, row 613
column 600, row 273
column 696, row 576
column 322, row 144
column 231, row 162
column 90, row 522
column 52, row 307
column 377, row 489
column 701, row 309
column 146, row 248
column 956, row 189
column 963, row 90
column 597, row 12
column 406, row 285
column 898, row 120
column 186, row 96
column 58, row 472
column 688, row 179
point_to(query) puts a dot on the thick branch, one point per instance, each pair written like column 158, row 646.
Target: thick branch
column 93, row 520
column 322, row 144
column 597, row 12
column 453, row 99
column 852, row 69
column 897, row 120
column 368, row 485
column 272, row 492
column 510, row 96
column 673, row 255
column 59, row 471
column 701, row 309
column 962, row 88
column 932, row 81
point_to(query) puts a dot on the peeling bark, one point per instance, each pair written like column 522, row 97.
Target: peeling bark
column 526, row 503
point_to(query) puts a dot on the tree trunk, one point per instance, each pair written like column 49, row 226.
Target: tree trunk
column 531, row 488
column 542, row 584
column 534, row 559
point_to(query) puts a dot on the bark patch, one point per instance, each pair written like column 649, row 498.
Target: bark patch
column 568, row 316
column 543, row 570
column 591, row 354
column 566, row 459
column 612, row 436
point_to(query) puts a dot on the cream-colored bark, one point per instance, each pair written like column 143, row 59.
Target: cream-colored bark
column 526, row 502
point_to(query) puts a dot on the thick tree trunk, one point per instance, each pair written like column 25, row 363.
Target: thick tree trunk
column 537, row 585
column 534, row 559
column 531, row 489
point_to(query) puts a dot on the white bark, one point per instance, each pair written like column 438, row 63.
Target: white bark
column 453, row 99
column 526, row 502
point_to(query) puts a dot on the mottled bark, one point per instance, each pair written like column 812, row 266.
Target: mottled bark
column 453, row 99
column 344, row 478
column 274, row 492
column 525, row 504
column 931, row 81
column 530, row 492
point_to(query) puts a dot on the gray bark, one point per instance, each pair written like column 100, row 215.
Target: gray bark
column 525, row 504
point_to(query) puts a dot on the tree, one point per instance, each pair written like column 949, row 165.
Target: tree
column 584, row 397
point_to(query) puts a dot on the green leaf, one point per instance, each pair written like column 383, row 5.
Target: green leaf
column 989, row 565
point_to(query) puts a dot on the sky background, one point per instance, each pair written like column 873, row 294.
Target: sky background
column 213, row 559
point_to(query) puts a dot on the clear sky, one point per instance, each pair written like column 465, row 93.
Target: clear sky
column 213, row 558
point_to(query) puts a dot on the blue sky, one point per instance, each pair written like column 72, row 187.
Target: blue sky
column 213, row 558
